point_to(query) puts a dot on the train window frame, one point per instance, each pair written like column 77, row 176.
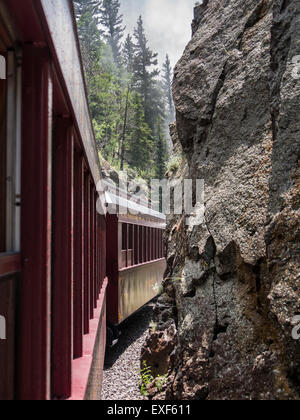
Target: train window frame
column 156, row 245
column 152, row 243
column 124, row 245
column 11, row 144
column 3, row 163
column 130, row 246
column 136, row 257
column 141, row 246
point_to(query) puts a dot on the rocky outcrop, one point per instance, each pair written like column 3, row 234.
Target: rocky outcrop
column 232, row 284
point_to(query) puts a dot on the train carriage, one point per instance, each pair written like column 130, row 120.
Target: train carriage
column 135, row 253
column 52, row 240
column 54, row 244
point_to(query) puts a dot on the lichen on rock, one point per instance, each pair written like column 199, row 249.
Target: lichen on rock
column 232, row 283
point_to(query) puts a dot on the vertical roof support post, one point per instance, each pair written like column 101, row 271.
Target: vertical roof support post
column 92, row 250
column 35, row 293
column 63, row 272
column 78, row 253
column 87, row 218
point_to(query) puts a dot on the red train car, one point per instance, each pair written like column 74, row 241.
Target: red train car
column 135, row 255
column 52, row 240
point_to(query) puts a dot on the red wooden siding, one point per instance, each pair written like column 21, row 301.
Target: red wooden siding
column 92, row 249
column 7, row 347
column 62, row 317
column 87, row 206
column 78, row 253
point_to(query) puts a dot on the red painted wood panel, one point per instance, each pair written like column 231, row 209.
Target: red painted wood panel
column 62, row 316
column 113, row 245
column 96, row 259
column 141, row 248
column 87, row 272
column 78, row 253
column 103, row 250
column 98, row 264
column 10, row 264
column 136, row 245
column 92, row 251
column 35, row 293
column 145, row 236
column 7, row 346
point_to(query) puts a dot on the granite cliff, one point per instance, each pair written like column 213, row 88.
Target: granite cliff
column 223, row 325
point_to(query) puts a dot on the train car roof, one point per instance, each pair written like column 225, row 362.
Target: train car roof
column 124, row 202
column 52, row 24
column 63, row 30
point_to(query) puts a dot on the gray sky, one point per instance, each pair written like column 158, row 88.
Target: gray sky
column 167, row 24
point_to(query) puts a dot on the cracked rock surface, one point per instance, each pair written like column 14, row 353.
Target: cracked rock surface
column 225, row 320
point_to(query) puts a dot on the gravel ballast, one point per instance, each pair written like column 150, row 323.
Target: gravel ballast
column 121, row 377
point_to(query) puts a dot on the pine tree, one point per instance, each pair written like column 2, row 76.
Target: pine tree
column 125, row 95
column 144, row 75
column 84, row 6
column 128, row 60
column 141, row 141
column 167, row 87
column 161, row 152
column 112, row 22
column 87, row 14
column 128, row 54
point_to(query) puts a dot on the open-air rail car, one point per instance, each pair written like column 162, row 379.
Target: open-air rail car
column 135, row 255
column 53, row 243
column 52, row 240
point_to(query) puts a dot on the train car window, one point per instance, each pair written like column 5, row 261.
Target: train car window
column 152, row 244
column 124, row 237
column 130, row 262
column 149, row 243
column 10, row 150
column 158, row 244
column 141, row 248
column 3, row 116
column 145, row 242
column 136, row 245
column 124, row 244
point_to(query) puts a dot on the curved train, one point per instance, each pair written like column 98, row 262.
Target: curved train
column 65, row 269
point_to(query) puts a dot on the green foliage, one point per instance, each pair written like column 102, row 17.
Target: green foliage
column 174, row 163
column 112, row 23
column 161, row 152
column 167, row 87
column 127, row 100
column 147, row 379
column 140, row 154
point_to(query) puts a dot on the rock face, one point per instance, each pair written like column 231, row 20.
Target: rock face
column 232, row 285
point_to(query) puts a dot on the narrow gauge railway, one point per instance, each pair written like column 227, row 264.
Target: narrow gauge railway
column 135, row 256
column 60, row 274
